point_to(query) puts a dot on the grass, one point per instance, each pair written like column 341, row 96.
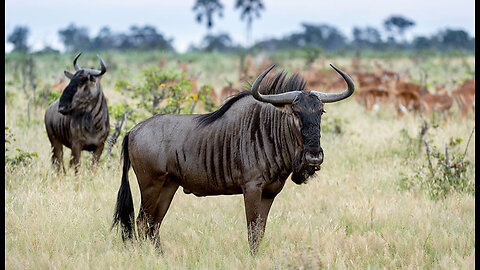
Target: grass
column 351, row 215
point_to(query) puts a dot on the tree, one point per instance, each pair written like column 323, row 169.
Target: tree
column 368, row 37
column 455, row 39
column 220, row 42
column 249, row 10
column 397, row 25
column 318, row 35
column 19, row 38
column 205, row 9
column 104, row 40
column 324, row 35
column 422, row 43
column 274, row 44
column 147, row 37
column 75, row 38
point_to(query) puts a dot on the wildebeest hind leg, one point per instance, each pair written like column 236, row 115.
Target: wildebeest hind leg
column 156, row 199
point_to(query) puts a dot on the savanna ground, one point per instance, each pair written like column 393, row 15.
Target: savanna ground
column 356, row 213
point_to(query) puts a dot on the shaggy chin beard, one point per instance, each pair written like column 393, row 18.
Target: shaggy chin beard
column 301, row 170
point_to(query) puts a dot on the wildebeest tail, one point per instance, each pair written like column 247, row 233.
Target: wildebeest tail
column 124, row 213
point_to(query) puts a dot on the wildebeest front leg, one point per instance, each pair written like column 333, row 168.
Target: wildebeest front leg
column 57, row 156
column 75, row 159
column 256, row 208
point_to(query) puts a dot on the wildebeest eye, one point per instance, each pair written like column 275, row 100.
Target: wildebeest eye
column 84, row 79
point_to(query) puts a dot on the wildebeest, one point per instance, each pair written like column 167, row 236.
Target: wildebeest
column 249, row 146
column 79, row 119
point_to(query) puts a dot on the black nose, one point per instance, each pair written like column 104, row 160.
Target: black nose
column 314, row 158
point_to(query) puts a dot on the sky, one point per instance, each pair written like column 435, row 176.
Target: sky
column 176, row 19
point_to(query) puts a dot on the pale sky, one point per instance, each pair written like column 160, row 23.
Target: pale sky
column 175, row 18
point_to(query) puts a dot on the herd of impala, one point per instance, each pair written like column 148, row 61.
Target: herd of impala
column 395, row 90
column 380, row 87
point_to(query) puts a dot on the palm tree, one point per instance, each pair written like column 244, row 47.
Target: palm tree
column 249, row 10
column 205, row 9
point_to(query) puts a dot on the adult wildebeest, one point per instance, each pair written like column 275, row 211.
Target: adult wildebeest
column 79, row 119
column 249, row 146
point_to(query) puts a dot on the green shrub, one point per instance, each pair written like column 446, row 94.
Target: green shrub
column 21, row 158
column 441, row 173
column 445, row 172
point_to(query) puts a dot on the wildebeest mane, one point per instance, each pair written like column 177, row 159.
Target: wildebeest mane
column 205, row 119
column 280, row 83
column 276, row 84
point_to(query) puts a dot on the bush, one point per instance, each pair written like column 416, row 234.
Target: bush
column 445, row 172
column 442, row 173
column 160, row 92
column 21, row 158
column 167, row 92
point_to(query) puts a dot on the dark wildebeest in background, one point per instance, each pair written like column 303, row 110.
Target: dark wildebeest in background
column 249, row 146
column 79, row 119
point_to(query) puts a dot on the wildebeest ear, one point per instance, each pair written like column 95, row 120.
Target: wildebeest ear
column 68, row 74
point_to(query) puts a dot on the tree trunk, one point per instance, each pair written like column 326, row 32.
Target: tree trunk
column 249, row 33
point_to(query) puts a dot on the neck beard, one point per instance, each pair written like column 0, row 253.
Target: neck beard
column 302, row 171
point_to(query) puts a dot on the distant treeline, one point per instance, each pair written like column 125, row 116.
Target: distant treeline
column 369, row 38
column 324, row 36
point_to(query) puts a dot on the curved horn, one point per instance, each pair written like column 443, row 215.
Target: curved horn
column 102, row 66
column 95, row 72
column 283, row 98
column 77, row 68
column 328, row 98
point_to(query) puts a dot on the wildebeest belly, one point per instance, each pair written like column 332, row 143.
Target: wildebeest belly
column 200, row 192
column 207, row 186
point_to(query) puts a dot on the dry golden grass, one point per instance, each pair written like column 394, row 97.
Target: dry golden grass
column 351, row 215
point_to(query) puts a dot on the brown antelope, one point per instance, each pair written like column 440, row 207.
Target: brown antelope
column 369, row 97
column 58, row 85
column 464, row 96
column 406, row 97
column 316, row 78
column 440, row 101
column 372, row 90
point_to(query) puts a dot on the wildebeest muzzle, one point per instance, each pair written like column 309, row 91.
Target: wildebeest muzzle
column 314, row 158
